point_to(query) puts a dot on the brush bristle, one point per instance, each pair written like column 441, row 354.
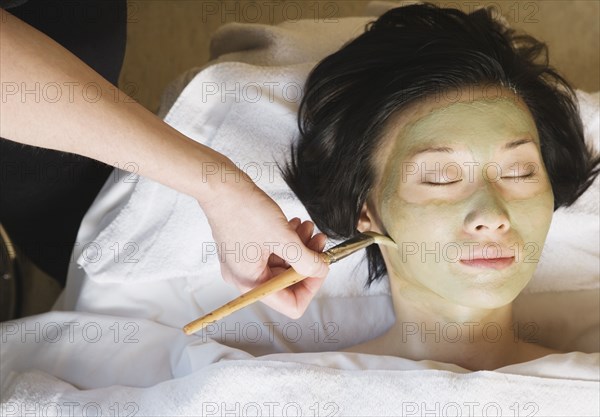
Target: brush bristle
column 382, row 239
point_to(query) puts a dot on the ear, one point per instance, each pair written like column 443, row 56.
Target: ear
column 367, row 220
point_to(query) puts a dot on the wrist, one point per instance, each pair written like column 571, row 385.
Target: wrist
column 223, row 183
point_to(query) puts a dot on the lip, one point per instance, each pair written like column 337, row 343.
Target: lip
column 489, row 263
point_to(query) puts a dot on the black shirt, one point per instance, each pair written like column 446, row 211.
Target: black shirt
column 44, row 194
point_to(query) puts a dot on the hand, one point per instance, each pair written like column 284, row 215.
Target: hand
column 293, row 300
column 256, row 242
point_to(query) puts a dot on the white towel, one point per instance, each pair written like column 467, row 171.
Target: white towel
column 288, row 43
column 575, row 230
column 287, row 388
column 89, row 364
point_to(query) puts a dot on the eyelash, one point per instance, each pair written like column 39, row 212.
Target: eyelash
column 438, row 184
column 531, row 174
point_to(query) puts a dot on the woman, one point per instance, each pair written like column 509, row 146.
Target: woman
column 454, row 141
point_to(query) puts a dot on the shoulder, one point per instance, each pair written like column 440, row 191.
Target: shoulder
column 530, row 351
column 371, row 347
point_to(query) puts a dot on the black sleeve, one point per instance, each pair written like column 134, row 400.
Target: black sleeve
column 7, row 4
column 44, row 194
column 93, row 30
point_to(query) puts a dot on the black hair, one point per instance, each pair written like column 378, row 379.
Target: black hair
column 411, row 53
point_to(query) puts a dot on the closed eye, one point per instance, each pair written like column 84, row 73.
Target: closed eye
column 531, row 174
column 437, row 184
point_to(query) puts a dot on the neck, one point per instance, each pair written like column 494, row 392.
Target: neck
column 430, row 327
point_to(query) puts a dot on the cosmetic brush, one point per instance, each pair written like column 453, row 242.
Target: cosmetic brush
column 287, row 278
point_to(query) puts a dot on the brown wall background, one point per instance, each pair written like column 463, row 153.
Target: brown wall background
column 167, row 37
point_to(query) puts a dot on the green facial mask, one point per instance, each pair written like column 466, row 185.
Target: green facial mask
column 465, row 181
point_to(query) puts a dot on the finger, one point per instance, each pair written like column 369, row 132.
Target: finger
column 317, row 243
column 275, row 261
column 293, row 300
column 295, row 222
column 320, row 240
column 305, row 231
column 312, row 284
column 297, row 292
column 296, row 253
column 304, row 260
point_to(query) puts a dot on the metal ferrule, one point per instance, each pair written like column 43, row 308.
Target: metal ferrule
column 348, row 247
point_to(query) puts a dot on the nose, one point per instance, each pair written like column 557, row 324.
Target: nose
column 488, row 218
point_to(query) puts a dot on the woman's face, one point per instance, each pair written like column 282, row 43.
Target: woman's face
column 463, row 191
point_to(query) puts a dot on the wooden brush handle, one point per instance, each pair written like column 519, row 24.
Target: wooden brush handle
column 284, row 280
column 281, row 281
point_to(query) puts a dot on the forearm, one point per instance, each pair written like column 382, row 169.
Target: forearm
column 71, row 108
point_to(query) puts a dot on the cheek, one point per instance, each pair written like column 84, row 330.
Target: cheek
column 532, row 217
column 410, row 222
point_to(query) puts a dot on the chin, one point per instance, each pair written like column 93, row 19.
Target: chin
column 489, row 298
column 487, row 290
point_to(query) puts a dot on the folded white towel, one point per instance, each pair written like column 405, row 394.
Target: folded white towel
column 289, row 43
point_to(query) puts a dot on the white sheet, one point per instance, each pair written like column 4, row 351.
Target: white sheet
column 84, row 363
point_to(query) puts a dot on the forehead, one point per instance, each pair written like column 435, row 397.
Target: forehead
column 476, row 120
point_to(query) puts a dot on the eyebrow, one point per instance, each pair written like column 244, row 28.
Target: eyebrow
column 432, row 149
column 445, row 149
column 516, row 143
